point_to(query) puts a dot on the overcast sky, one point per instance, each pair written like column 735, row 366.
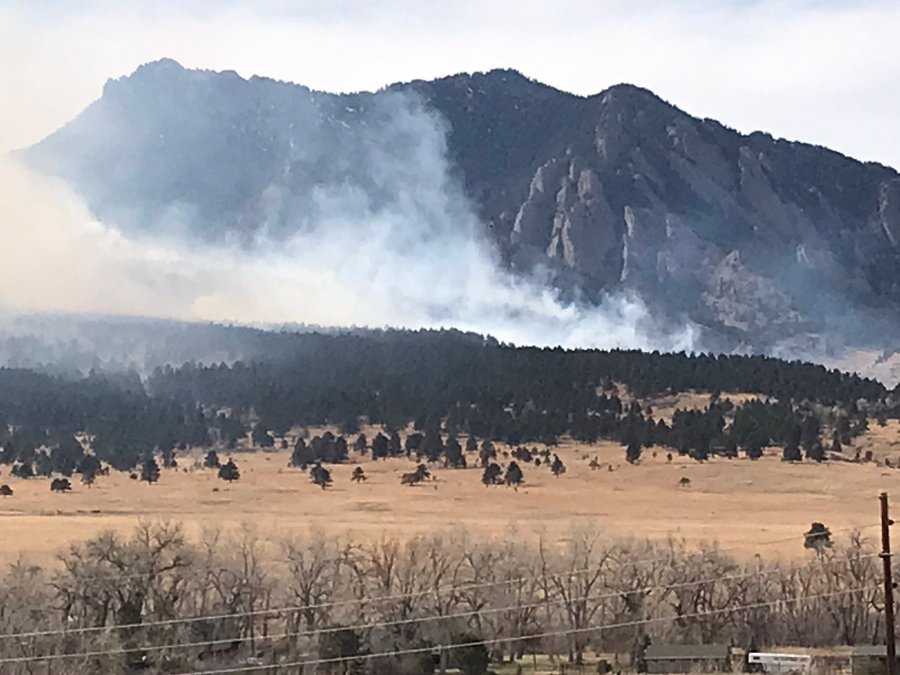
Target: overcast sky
column 822, row 71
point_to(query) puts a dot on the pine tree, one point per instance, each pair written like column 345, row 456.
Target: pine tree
column 632, row 453
column 150, row 471
column 557, row 467
column 320, row 476
column 492, row 474
column 514, row 475
column 229, row 471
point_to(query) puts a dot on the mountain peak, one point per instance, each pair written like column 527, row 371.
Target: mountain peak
column 163, row 65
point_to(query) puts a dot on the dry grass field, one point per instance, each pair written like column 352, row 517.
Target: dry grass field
column 738, row 503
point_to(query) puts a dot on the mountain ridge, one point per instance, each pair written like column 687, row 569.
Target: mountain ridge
column 754, row 238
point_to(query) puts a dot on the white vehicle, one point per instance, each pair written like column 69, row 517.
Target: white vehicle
column 780, row 663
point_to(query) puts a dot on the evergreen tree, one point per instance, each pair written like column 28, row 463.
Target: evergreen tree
column 22, row 470
column 64, row 458
column 361, row 444
column 487, row 454
column 302, row 455
column 395, row 447
column 471, row 444
column 380, row 446
column 557, row 467
column 632, row 453
column 492, row 474
column 261, row 437
column 320, row 476
column 816, row 453
column 60, row 485
column 433, row 444
column 89, row 468
column 211, row 461
column 229, row 471
column 150, row 471
column 836, row 442
column 514, row 475
column 453, row 454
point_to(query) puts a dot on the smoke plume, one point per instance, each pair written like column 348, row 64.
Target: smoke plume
column 399, row 246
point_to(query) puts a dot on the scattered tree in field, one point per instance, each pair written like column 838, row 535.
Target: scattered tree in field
column 487, row 454
column 817, row 538
column 150, row 471
column 395, row 447
column 684, row 482
column 359, row 475
column 229, row 471
column 836, row 442
column 492, row 474
column 421, row 473
column 381, row 446
column 211, row 461
column 167, row 454
column 791, row 452
column 89, row 467
column 594, row 464
column 557, row 467
column 633, row 453
column 6, row 491
column 65, row 457
column 816, row 452
column 514, row 475
column 412, row 443
column 453, row 453
column 320, row 476
column 262, row 437
column 669, row 457
column 60, row 485
column 22, row 470
column 432, row 444
column 302, row 456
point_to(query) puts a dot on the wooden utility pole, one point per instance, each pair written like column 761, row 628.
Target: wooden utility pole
column 890, row 638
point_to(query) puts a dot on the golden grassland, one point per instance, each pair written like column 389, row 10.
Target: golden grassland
column 740, row 504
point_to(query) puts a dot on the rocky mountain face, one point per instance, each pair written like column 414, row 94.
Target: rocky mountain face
column 755, row 238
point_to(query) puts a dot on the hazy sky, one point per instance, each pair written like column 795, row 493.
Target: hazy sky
column 823, row 71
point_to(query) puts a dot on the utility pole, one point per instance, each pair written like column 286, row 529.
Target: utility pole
column 890, row 638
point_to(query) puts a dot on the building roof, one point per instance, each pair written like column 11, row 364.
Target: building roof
column 676, row 652
column 869, row 650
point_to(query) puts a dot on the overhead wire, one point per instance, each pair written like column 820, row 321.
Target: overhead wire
column 442, row 617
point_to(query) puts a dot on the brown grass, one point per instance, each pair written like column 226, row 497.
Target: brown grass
column 738, row 503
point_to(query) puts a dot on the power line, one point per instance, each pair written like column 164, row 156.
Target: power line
column 363, row 601
column 519, row 638
column 427, row 619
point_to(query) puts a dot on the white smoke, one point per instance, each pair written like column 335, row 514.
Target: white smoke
column 416, row 259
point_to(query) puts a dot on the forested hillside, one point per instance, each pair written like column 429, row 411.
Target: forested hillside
column 443, row 383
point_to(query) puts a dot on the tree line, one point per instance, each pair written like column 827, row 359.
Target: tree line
column 240, row 599
column 445, row 382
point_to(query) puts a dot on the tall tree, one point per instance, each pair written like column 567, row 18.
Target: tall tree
column 150, row 471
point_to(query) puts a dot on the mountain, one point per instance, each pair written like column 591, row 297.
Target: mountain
column 768, row 244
